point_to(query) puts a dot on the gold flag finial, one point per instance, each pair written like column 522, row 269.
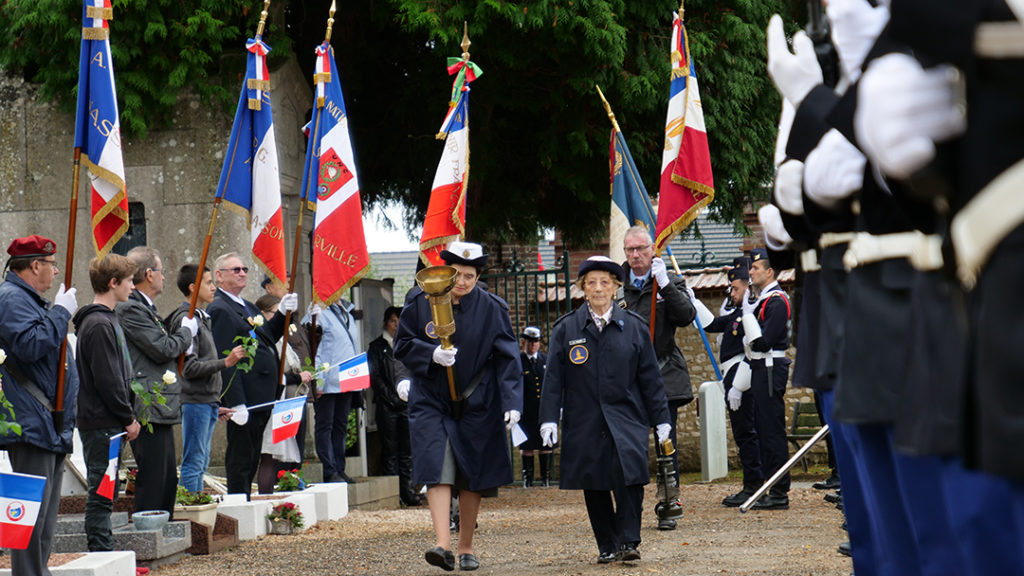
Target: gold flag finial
column 263, row 19
column 608, row 109
column 681, row 2
column 465, row 41
column 330, row 21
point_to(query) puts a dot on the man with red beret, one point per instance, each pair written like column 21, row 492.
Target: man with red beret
column 31, row 332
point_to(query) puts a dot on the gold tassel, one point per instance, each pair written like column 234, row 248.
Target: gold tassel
column 95, row 33
column 255, row 103
column 324, row 77
column 254, row 84
column 99, row 12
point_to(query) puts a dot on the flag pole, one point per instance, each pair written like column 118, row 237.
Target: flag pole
column 69, row 261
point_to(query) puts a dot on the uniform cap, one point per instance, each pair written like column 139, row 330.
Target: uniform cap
column 466, row 253
column 530, row 333
column 601, row 263
column 760, row 254
column 32, row 246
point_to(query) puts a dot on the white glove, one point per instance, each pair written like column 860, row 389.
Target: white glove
column 511, row 417
column 190, row 349
column 726, row 307
column 66, row 299
column 834, row 171
column 904, row 110
column 789, row 184
column 794, row 73
column 782, row 137
column 746, row 305
column 751, row 329
column 659, row 272
column 735, row 398
column 741, row 380
column 289, row 302
column 704, row 316
column 548, row 433
column 662, row 431
column 445, row 357
column 403, row 389
column 241, row 415
column 314, row 310
column 775, row 234
column 855, row 27
column 191, row 323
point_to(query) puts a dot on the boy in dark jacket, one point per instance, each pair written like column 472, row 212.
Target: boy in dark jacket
column 104, row 367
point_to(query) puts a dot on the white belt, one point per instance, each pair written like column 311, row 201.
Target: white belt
column 809, row 261
column 768, row 357
column 923, row 251
column 998, row 40
column 982, row 224
column 728, row 364
column 829, row 239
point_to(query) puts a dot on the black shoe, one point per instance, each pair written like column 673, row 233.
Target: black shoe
column 441, row 558
column 468, row 562
column 335, row 478
column 736, row 500
column 347, row 478
column 771, row 502
column 628, row 553
column 834, row 498
column 830, row 483
column 412, row 501
column 666, row 524
column 606, row 557
column 844, row 549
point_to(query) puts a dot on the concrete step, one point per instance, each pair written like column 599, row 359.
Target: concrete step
column 75, row 523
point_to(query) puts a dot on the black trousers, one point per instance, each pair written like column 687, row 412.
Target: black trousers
column 96, row 452
column 615, row 524
column 393, row 426
column 157, row 482
column 744, row 434
column 243, row 452
column 770, row 419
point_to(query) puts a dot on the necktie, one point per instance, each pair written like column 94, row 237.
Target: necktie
column 639, row 283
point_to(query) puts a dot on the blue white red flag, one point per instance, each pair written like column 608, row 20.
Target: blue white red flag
column 631, row 206
column 353, row 374
column 286, row 418
column 331, row 188
column 250, row 180
column 98, row 128
column 109, row 482
column 687, row 184
column 20, row 498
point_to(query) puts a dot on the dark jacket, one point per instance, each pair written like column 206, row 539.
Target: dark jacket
column 229, row 320
column 380, row 357
column 200, row 374
column 153, row 351
column 533, row 381
column 105, row 370
column 673, row 311
column 31, row 333
column 609, row 389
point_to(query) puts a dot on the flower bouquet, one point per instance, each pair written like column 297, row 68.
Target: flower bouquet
column 284, row 518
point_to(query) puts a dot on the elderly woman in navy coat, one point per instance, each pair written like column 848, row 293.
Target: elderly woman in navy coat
column 470, row 453
column 603, row 374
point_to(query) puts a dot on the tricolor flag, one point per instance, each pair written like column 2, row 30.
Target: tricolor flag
column 286, row 418
column 353, row 374
column 109, row 482
column 631, row 206
column 98, row 128
column 20, row 497
column 687, row 184
column 331, row 188
column 446, row 212
column 250, row 179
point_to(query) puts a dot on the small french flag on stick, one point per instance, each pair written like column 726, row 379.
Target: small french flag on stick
column 109, row 481
column 20, row 497
column 286, row 418
column 354, row 374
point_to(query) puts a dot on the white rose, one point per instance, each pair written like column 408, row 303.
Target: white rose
column 292, row 328
column 258, row 321
column 324, row 367
column 3, row 356
column 169, row 377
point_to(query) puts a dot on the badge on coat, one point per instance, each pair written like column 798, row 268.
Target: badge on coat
column 429, row 329
column 578, row 354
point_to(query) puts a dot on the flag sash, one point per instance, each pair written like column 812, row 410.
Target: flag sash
column 286, row 417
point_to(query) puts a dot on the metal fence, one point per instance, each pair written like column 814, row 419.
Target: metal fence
column 535, row 297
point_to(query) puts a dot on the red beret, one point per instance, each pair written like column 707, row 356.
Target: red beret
column 31, row 247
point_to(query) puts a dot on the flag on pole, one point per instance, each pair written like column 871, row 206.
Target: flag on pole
column 330, row 187
column 631, row 206
column 109, row 481
column 353, row 374
column 250, row 180
column 98, row 128
column 20, row 498
column 446, row 212
column 687, row 184
column 286, row 418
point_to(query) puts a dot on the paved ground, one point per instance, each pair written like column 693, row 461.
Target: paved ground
column 545, row 531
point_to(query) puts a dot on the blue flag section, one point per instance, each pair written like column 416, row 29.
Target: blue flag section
column 629, row 195
column 325, row 118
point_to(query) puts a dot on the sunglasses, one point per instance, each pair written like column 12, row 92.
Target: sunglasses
column 236, row 269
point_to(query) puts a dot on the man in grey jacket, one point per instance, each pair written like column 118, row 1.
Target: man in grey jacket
column 154, row 351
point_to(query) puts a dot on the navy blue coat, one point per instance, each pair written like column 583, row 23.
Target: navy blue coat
column 487, row 345
column 533, row 381
column 609, row 387
column 229, row 320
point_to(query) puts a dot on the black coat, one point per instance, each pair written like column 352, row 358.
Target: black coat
column 381, row 357
column 229, row 319
column 608, row 386
column 533, row 380
column 104, row 370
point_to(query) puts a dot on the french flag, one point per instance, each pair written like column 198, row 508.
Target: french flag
column 98, row 128
column 109, row 481
column 250, row 178
column 354, row 374
column 20, row 498
column 286, row 418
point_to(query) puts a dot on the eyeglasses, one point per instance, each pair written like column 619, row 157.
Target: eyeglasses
column 160, row 270
column 50, row 262
column 636, row 249
column 235, row 270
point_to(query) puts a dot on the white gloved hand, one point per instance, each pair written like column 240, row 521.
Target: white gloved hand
column 855, row 27
column 789, row 187
column 66, row 299
column 741, row 380
column 289, row 302
column 834, row 171
column 403, row 389
column 904, row 110
column 775, row 234
column 746, row 305
column 662, row 431
column 751, row 328
column 659, row 271
column 704, row 316
column 548, row 433
column 314, row 310
column 735, row 398
column 794, row 73
column 241, row 415
column 782, row 137
column 511, row 417
column 445, row 357
column 191, row 323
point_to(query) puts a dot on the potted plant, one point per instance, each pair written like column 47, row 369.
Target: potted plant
column 129, row 480
column 290, row 481
column 284, row 518
column 196, row 506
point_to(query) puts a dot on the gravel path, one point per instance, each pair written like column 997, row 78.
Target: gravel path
column 545, row 531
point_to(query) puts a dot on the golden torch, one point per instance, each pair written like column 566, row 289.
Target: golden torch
column 437, row 283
